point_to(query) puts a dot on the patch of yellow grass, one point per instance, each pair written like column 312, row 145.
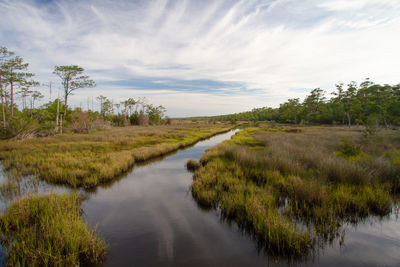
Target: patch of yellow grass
column 89, row 159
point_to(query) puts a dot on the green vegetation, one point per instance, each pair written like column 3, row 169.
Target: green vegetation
column 56, row 116
column 294, row 187
column 192, row 165
column 366, row 104
column 85, row 160
column 72, row 79
column 291, row 187
column 48, row 231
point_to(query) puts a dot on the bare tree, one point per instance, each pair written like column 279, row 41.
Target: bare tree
column 49, row 85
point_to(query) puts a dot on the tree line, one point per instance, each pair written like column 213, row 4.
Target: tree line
column 132, row 111
column 16, row 82
column 348, row 105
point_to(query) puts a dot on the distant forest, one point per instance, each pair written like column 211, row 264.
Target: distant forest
column 349, row 105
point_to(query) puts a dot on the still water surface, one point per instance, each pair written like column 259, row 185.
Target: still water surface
column 149, row 218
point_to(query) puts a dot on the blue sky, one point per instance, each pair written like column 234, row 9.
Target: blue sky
column 206, row 57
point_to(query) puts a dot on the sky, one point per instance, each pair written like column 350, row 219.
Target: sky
column 200, row 57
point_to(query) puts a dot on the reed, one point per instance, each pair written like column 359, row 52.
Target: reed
column 192, row 165
column 270, row 180
column 48, row 231
column 86, row 160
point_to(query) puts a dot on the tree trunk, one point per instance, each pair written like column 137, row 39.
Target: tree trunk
column 65, row 105
column 3, row 110
column 61, row 124
column 348, row 118
column 2, row 104
column 12, row 99
column 58, row 113
column 31, row 106
column 385, row 121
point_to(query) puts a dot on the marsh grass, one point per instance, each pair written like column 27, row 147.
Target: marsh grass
column 273, row 180
column 48, row 230
column 192, row 165
column 86, row 160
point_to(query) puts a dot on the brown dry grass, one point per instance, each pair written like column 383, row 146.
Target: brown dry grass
column 271, row 179
column 89, row 159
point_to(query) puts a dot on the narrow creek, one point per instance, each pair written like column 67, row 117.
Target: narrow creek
column 149, row 218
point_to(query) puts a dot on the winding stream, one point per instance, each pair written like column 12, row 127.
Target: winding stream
column 149, row 218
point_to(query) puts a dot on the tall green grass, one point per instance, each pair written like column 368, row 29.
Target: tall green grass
column 48, row 231
column 295, row 187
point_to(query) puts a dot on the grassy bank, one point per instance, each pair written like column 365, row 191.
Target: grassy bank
column 85, row 160
column 48, row 231
column 294, row 187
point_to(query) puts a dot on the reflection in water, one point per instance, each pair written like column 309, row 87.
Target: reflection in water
column 149, row 218
column 13, row 187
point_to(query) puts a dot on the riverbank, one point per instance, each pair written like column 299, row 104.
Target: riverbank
column 48, row 229
column 294, row 187
column 86, row 160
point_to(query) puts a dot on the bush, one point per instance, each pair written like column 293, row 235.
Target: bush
column 19, row 127
column 118, row 120
column 83, row 122
column 143, row 120
column 371, row 126
column 134, row 119
column 348, row 149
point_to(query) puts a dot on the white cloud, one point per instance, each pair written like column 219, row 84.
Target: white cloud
column 275, row 46
column 345, row 5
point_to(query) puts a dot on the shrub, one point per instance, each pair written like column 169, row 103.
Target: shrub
column 348, row 149
column 143, row 120
column 134, row 119
column 83, row 122
column 19, row 127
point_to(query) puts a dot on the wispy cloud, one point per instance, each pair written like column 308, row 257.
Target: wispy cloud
column 230, row 55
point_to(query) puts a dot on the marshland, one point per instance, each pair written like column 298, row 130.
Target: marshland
column 285, row 185
column 294, row 188
column 284, row 194
column 199, row 133
column 86, row 160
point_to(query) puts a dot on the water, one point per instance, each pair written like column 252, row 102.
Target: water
column 11, row 188
column 149, row 218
